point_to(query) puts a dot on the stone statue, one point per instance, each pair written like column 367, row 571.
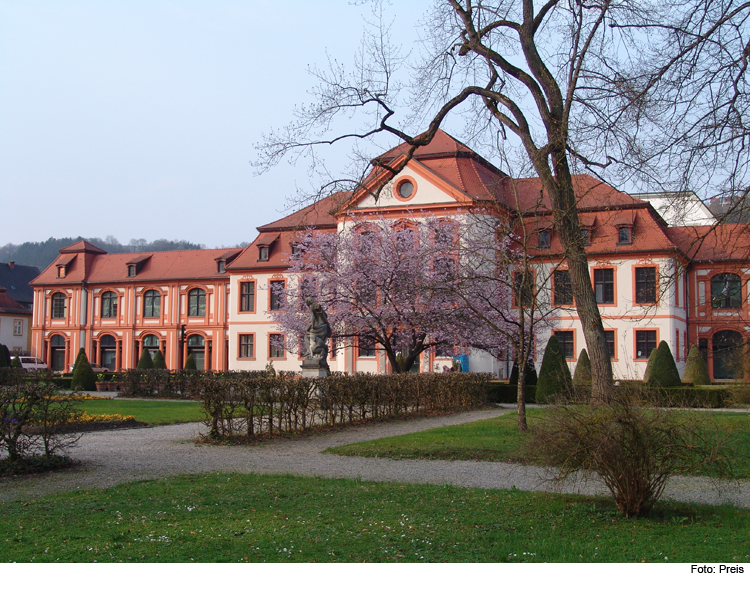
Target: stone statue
column 316, row 334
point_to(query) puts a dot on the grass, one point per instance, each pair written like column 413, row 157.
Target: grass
column 153, row 412
column 256, row 518
column 499, row 440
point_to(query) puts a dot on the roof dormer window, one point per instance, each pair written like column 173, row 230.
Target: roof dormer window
column 262, row 253
column 61, row 272
column 131, row 270
column 222, row 267
column 586, row 236
column 624, row 235
column 544, row 239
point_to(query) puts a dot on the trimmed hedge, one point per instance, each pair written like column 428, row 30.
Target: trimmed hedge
column 662, row 370
column 84, row 377
column 506, row 393
column 554, row 375
column 696, row 370
column 158, row 360
column 145, row 361
column 248, row 405
column 582, row 375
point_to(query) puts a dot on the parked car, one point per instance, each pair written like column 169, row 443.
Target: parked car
column 33, row 364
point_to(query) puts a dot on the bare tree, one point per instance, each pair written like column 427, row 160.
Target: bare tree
column 563, row 85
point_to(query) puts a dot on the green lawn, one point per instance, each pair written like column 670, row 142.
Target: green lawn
column 238, row 518
column 153, row 412
column 500, row 440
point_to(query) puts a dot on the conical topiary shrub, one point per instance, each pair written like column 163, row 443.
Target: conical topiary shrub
column 84, row 377
column 649, row 365
column 582, row 375
column 16, row 363
column 158, row 360
column 81, row 351
column 696, row 370
column 662, row 370
column 4, row 356
column 145, row 361
column 190, row 363
column 554, row 376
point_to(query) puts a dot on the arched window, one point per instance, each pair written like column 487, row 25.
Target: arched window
column 152, row 304
column 108, row 348
column 727, row 355
column 196, row 302
column 57, row 352
column 196, row 348
column 151, row 344
column 59, row 304
column 109, row 304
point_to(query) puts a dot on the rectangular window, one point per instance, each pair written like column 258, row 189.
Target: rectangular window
column 645, row 285
column 604, row 286
column 263, row 253
column 365, row 347
column 524, row 289
column 610, row 336
column 677, row 345
column 17, row 328
column 277, row 294
column 276, row 346
column 563, row 293
column 131, row 270
column 623, row 236
column 152, row 304
column 59, row 302
column 247, row 296
column 645, row 342
column 566, row 339
column 247, row 346
column 586, row 236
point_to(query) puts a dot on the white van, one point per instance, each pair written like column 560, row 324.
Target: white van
column 33, row 364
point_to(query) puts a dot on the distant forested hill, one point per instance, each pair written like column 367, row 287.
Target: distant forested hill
column 41, row 254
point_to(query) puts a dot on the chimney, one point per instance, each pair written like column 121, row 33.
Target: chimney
column 12, row 264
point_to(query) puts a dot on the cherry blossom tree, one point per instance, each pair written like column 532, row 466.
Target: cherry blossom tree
column 386, row 282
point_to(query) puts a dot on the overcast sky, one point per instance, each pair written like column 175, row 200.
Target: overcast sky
column 138, row 118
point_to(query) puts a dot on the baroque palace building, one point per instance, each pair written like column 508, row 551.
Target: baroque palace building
column 682, row 282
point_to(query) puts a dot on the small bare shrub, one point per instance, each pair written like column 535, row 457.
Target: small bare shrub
column 34, row 419
column 635, row 450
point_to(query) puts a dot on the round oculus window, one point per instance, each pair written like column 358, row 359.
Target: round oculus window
column 405, row 189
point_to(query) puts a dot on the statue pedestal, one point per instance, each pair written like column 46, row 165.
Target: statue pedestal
column 314, row 368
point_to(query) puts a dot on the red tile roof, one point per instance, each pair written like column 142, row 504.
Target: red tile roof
column 10, row 306
column 722, row 242
column 278, row 256
column 649, row 233
column 155, row 266
column 316, row 215
column 527, row 195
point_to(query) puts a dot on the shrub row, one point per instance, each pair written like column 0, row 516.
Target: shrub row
column 255, row 404
column 681, row 396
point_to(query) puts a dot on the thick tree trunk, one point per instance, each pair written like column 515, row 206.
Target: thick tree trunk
column 566, row 221
column 559, row 187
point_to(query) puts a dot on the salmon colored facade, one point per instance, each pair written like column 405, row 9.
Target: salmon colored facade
column 117, row 305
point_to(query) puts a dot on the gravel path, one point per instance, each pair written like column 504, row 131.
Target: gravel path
column 113, row 457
